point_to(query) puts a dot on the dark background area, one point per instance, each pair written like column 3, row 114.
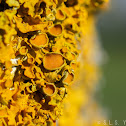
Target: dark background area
column 111, row 27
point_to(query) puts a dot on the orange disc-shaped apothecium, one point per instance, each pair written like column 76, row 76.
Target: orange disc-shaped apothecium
column 73, row 65
column 60, row 15
column 52, row 61
column 30, row 60
column 69, row 78
column 49, row 89
column 23, row 50
column 56, row 30
column 39, row 41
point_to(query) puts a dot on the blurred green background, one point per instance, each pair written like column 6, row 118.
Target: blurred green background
column 111, row 26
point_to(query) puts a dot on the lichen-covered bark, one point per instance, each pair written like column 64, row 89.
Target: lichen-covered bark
column 43, row 45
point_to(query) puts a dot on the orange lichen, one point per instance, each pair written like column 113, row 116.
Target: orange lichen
column 23, row 50
column 49, row 89
column 60, row 15
column 73, row 65
column 56, row 30
column 39, row 41
column 52, row 61
column 30, row 59
column 68, row 78
column 64, row 49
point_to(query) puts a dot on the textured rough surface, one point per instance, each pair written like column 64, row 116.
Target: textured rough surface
column 40, row 44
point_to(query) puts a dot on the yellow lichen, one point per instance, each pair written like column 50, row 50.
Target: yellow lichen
column 40, row 42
